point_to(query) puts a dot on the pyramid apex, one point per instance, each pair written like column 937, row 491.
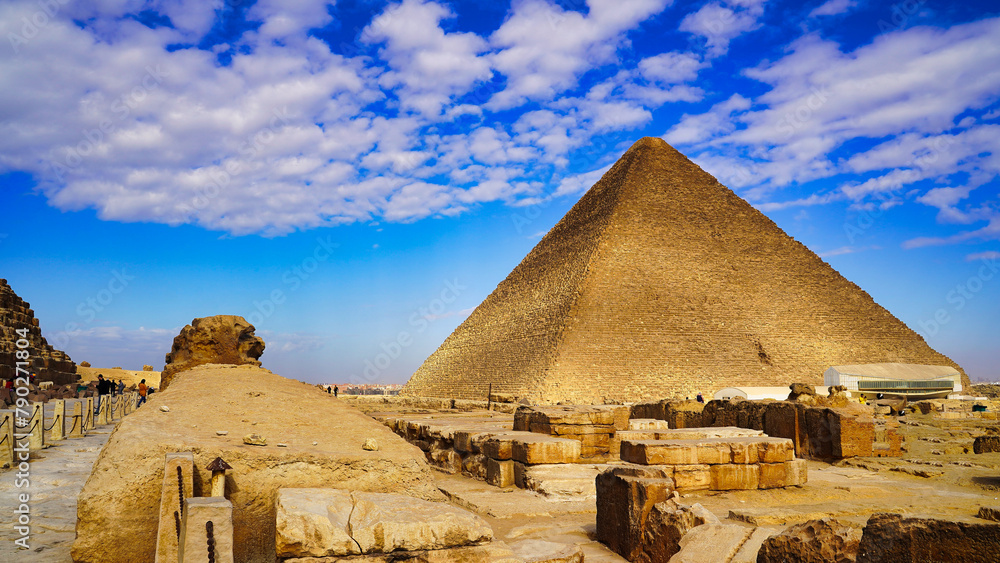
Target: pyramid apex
column 650, row 143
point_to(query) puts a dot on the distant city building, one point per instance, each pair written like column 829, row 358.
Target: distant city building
column 365, row 389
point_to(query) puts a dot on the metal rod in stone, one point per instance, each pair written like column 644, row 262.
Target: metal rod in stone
column 210, row 534
column 180, row 489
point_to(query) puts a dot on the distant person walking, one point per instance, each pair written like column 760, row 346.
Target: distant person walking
column 143, row 390
column 121, row 387
column 103, row 388
column 336, row 390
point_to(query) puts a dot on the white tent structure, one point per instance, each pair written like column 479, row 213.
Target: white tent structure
column 913, row 381
column 759, row 393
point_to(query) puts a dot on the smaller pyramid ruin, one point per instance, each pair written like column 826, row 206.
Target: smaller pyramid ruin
column 47, row 363
column 662, row 282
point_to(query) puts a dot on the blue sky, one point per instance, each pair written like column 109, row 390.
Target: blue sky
column 355, row 176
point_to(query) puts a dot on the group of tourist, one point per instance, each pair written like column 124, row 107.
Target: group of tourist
column 109, row 387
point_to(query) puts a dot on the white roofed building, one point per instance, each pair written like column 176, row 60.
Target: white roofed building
column 913, row 381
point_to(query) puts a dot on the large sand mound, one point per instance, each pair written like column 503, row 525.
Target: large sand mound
column 119, row 506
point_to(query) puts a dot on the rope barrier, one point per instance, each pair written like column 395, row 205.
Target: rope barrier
column 49, row 429
column 4, row 439
column 74, row 424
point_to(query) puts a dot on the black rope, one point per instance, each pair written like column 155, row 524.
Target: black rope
column 177, row 525
column 180, row 489
column 210, row 532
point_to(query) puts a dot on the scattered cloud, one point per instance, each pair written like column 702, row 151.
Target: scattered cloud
column 832, row 8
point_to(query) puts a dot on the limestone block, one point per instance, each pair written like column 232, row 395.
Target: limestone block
column 562, row 480
column 989, row 513
column 314, row 523
column 206, row 517
column 775, row 450
column 692, row 477
column 668, row 522
column 986, row 444
column 814, row 541
column 711, row 543
column 449, row 460
column 474, row 465
column 729, row 477
column 500, row 473
column 891, row 538
column 744, row 450
column 624, row 501
column 501, row 446
column 773, row 475
column 796, row 472
column 541, row 551
column 384, row 522
column 659, row 452
column 713, row 451
column 635, row 435
column 540, row 449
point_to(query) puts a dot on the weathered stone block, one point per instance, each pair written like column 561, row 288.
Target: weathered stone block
column 314, row 523
column 383, row 523
column 500, row 473
column 474, row 465
column 728, row 477
column 624, row 501
column 986, row 444
column 796, row 472
column 711, row 543
column 545, row 449
column 668, row 522
column 659, row 452
column 815, row 541
column 692, row 477
column 890, row 538
column 775, row 450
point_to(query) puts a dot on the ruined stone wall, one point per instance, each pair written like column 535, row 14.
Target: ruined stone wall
column 47, row 363
column 662, row 281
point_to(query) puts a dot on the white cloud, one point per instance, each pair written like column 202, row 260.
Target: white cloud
column 720, row 24
column 543, row 49
column 832, row 8
column 430, row 66
column 914, row 87
column 287, row 19
column 987, row 255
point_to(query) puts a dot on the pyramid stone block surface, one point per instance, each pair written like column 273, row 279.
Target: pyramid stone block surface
column 661, row 280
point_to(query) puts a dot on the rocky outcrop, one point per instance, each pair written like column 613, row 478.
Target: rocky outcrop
column 222, row 339
column 47, row 363
column 815, row 541
column 986, row 444
column 891, row 538
column 312, row 440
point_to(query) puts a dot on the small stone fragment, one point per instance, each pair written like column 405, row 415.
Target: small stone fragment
column 280, row 445
column 221, row 432
column 164, row 408
column 370, row 445
column 254, row 440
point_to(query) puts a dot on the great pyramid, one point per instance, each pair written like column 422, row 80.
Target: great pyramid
column 661, row 281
